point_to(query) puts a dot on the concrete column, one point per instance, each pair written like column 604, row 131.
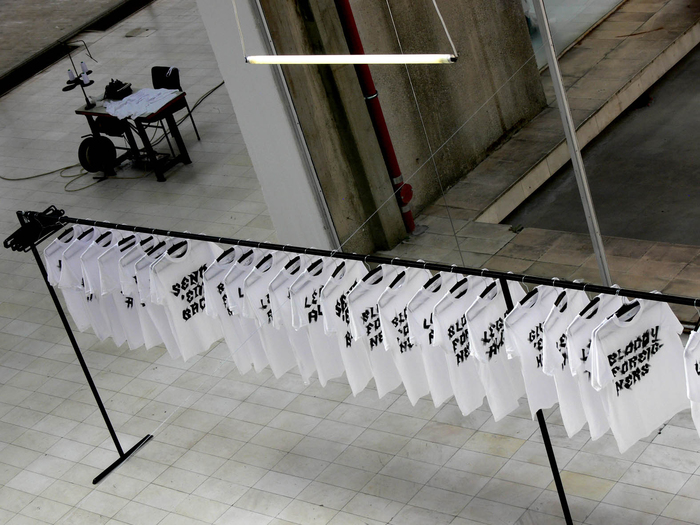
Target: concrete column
column 267, row 120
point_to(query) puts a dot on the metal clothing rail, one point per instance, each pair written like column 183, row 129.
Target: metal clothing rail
column 38, row 226
column 397, row 261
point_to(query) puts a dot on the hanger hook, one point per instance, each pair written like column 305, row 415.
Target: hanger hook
column 392, row 261
column 522, row 281
column 695, row 304
column 365, row 259
column 617, row 291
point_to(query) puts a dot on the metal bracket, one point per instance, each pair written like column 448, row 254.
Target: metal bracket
column 36, row 227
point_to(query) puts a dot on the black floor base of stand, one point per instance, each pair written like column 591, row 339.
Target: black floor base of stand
column 122, row 458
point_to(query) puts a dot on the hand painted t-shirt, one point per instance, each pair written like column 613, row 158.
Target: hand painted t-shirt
column 367, row 330
column 524, row 338
column 578, row 343
column 282, row 307
column 556, row 358
column 336, row 322
column 420, row 321
column 393, row 315
column 71, row 282
column 155, row 311
column 235, row 301
column 177, row 279
column 691, row 356
column 637, row 366
column 101, row 308
column 216, row 307
column 307, row 317
column 258, row 306
column 130, row 288
column 500, row 375
column 452, row 336
column 125, row 305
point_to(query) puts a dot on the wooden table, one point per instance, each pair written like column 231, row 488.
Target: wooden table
column 165, row 112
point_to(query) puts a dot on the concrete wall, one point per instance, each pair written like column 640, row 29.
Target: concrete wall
column 493, row 43
column 351, row 181
column 338, row 131
column 264, row 113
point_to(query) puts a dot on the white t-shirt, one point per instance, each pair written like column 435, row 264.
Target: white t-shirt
column 367, row 330
column 524, row 339
column 393, row 315
column 638, row 365
column 556, row 358
column 420, row 321
column 257, row 306
column 71, row 280
column 282, row 309
column 308, row 318
column 692, row 374
column 53, row 253
column 155, row 311
column 177, row 280
column 126, row 268
column 235, row 300
column 578, row 342
column 452, row 336
column 500, row 375
column 126, row 305
column 216, row 307
column 336, row 320
column 102, row 309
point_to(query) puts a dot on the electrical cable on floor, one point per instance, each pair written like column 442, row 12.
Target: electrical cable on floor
column 74, row 178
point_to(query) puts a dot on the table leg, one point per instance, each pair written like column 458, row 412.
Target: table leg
column 132, row 144
column 157, row 168
column 175, row 132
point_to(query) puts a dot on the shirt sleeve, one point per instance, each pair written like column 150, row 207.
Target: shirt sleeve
column 691, row 356
column 551, row 358
column 210, row 295
column 669, row 319
column 601, row 374
column 355, row 321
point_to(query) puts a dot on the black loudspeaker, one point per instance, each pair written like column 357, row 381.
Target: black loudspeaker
column 97, row 154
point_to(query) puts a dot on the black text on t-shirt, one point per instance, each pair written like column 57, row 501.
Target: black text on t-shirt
column 535, row 338
column 313, row 307
column 631, row 364
column 459, row 337
column 373, row 328
column 493, row 338
column 190, row 289
column 400, row 322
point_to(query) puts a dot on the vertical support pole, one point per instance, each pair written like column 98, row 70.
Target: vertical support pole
column 69, row 331
column 543, row 428
column 572, row 142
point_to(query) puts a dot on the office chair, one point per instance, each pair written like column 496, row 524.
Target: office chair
column 164, row 77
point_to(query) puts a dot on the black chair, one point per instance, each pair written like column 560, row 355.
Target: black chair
column 164, row 77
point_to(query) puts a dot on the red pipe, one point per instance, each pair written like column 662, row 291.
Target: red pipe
column 404, row 192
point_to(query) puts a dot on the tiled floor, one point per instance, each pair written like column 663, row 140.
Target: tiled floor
column 231, row 449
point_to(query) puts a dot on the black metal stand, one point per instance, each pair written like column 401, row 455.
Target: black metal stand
column 545, row 432
column 122, row 455
column 37, row 226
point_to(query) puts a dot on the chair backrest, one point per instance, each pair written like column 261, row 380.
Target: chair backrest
column 164, row 77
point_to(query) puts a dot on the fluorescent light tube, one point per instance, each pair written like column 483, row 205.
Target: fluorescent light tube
column 351, row 59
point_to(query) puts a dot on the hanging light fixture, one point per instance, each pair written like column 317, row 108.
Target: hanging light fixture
column 352, row 59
